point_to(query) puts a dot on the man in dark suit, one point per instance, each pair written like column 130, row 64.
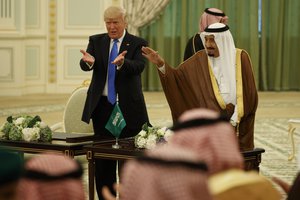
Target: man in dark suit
column 129, row 64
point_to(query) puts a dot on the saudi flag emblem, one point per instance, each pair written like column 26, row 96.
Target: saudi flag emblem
column 116, row 122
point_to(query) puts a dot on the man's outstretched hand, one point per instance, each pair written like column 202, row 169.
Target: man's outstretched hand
column 86, row 57
column 119, row 61
column 153, row 56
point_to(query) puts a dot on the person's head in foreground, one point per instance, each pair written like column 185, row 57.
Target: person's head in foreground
column 211, row 137
column 210, row 16
column 51, row 176
column 11, row 169
column 166, row 172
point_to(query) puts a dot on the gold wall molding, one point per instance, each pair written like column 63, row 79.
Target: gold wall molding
column 52, row 47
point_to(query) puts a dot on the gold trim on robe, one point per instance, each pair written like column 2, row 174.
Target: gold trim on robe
column 239, row 86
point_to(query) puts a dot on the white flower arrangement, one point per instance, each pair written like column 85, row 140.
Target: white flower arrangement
column 149, row 137
column 25, row 128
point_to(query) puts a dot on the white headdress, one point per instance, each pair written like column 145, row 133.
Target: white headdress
column 224, row 65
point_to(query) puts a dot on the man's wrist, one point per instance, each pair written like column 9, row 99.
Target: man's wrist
column 160, row 64
column 120, row 66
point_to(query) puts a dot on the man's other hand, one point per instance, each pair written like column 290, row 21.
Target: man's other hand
column 86, row 57
column 153, row 56
column 119, row 61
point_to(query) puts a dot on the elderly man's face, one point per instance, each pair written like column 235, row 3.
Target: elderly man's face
column 115, row 27
column 211, row 46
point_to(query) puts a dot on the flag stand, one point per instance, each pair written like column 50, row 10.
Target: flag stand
column 118, row 181
column 116, row 145
column 115, row 124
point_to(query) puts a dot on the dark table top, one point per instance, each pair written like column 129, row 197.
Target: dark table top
column 128, row 149
column 59, row 143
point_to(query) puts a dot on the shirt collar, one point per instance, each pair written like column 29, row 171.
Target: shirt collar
column 120, row 39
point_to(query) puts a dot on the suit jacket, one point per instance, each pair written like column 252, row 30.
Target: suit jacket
column 127, row 82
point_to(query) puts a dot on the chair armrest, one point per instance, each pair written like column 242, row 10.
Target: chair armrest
column 57, row 126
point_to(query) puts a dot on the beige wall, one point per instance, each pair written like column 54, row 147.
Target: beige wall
column 40, row 42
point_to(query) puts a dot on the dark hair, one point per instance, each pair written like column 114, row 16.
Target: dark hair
column 174, row 163
column 37, row 175
column 198, row 122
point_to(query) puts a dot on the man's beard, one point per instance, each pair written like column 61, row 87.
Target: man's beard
column 211, row 52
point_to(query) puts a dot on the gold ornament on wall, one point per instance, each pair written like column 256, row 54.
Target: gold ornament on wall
column 52, row 42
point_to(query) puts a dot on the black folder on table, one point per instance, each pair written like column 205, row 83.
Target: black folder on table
column 73, row 137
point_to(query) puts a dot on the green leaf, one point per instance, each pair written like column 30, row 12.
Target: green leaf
column 145, row 127
column 45, row 134
column 15, row 134
column 9, row 119
column 33, row 121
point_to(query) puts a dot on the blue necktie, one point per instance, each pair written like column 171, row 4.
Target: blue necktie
column 112, row 73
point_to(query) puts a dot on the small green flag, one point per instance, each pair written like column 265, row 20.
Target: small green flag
column 116, row 122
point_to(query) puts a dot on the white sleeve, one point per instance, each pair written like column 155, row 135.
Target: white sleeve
column 162, row 69
column 234, row 116
column 90, row 66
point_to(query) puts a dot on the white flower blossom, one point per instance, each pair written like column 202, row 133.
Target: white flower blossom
column 42, row 124
column 31, row 134
column 142, row 133
column 152, row 137
column 151, row 143
column 141, row 142
column 168, row 134
column 161, row 131
column 149, row 137
column 19, row 121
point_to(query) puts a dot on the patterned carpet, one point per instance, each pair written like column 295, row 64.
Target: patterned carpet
column 272, row 135
column 4, row 112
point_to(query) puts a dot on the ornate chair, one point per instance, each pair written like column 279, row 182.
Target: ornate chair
column 73, row 111
column 292, row 125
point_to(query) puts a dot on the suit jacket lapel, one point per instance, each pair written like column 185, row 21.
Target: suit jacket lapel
column 125, row 43
column 105, row 51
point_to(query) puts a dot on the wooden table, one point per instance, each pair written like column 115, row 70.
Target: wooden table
column 58, row 145
column 104, row 150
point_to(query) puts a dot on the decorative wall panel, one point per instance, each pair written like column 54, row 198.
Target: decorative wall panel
column 32, row 62
column 7, row 15
column 33, row 16
column 68, row 69
column 6, row 67
column 72, row 68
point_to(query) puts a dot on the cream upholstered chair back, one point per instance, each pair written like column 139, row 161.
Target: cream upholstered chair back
column 73, row 111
